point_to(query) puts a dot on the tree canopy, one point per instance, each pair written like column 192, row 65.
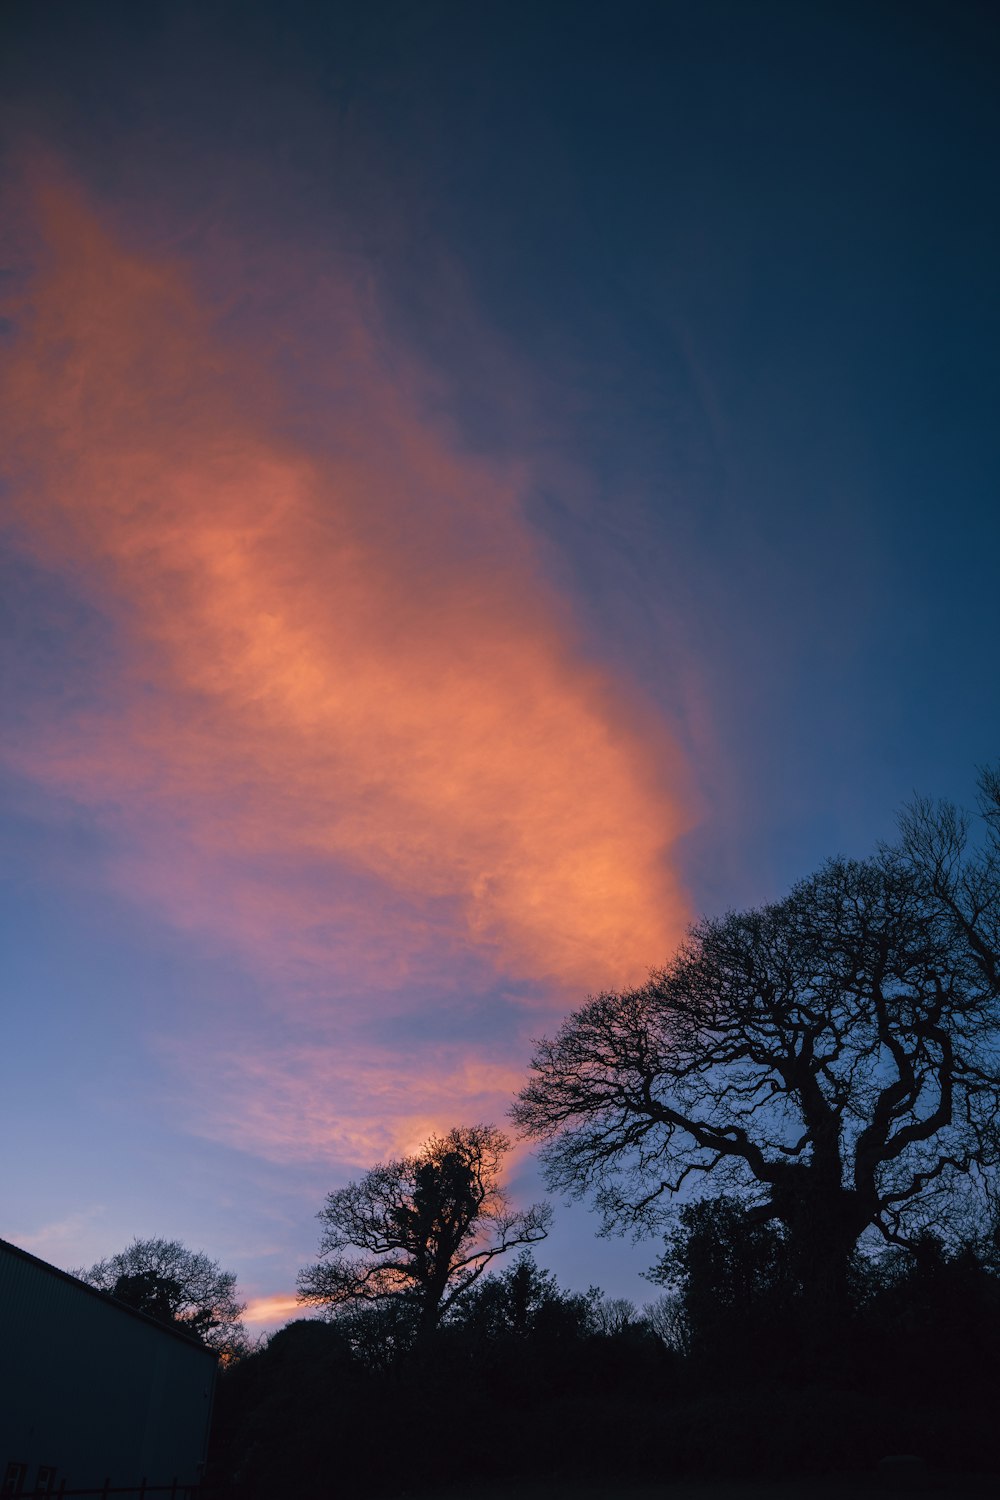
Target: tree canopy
column 426, row 1227
column 523, row 1302
column 177, row 1286
column 833, row 1057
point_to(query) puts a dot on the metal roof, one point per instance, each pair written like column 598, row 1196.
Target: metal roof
column 106, row 1297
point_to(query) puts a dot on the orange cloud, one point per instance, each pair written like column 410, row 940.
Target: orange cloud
column 353, row 660
column 274, row 1310
column 350, row 730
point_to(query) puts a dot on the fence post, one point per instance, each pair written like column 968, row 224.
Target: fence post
column 107, row 1486
column 142, row 1488
column 173, row 1489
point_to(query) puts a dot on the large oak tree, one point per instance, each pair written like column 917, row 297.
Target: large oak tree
column 834, row 1057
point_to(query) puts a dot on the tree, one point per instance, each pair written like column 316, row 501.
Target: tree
column 523, row 1302
column 180, row 1287
column 936, row 1309
column 426, row 1226
column 730, row 1279
column 613, row 1316
column 832, row 1058
column 963, row 883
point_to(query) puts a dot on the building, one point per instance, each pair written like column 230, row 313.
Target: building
column 93, row 1391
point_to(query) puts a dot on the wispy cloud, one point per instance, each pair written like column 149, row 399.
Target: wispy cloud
column 60, row 1242
column 348, row 730
column 273, row 1310
column 352, row 1102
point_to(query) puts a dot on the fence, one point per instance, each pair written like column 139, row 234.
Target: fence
column 175, row 1490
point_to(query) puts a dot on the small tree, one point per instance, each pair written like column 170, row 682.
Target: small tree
column 182, row 1288
column 612, row 1316
column 523, row 1302
column 731, row 1281
column 426, row 1227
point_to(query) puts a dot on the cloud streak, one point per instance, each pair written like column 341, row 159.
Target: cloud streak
column 347, row 730
column 346, row 1101
column 272, row 1310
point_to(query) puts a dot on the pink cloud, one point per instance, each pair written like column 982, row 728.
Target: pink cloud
column 338, row 1101
column 350, row 732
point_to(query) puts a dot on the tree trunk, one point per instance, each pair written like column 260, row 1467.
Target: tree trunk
column 823, row 1232
column 822, row 1251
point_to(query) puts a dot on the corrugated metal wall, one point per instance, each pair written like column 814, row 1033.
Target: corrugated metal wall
column 93, row 1390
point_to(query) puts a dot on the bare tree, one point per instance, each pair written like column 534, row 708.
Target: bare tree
column 964, row 881
column 832, row 1057
column 665, row 1315
column 613, row 1315
column 177, row 1286
column 426, row 1226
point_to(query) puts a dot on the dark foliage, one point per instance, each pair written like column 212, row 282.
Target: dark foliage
column 938, row 1310
column 736, row 1295
column 527, row 1360
column 522, row 1303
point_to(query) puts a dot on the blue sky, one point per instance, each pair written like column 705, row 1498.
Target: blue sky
column 534, row 480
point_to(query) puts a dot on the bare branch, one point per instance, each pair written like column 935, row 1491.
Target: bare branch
column 426, row 1226
column 833, row 1056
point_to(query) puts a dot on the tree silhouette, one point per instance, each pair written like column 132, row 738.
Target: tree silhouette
column 963, row 882
column 426, row 1226
column 160, row 1297
column 831, row 1057
column 731, row 1283
column 177, row 1286
column 523, row 1302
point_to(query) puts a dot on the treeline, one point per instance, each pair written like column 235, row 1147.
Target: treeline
column 806, row 1098
column 729, row 1371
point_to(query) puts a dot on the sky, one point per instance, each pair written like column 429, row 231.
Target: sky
column 481, row 486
